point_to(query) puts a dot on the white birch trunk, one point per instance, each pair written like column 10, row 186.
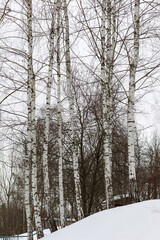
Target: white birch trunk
column 47, row 199
column 131, row 106
column 31, row 79
column 28, row 206
column 61, row 189
column 28, row 199
column 72, row 117
column 27, row 165
column 106, row 75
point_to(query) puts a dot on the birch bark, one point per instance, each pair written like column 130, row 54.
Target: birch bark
column 31, row 80
column 107, row 59
column 27, row 164
column 47, row 198
column 72, row 117
column 28, row 174
column 131, row 106
column 61, row 189
column 28, row 200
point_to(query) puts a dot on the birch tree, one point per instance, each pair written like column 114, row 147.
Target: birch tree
column 28, row 156
column 28, row 204
column 108, row 29
column 103, row 39
column 72, row 116
column 31, row 114
column 27, row 195
column 47, row 198
column 61, row 188
column 131, row 104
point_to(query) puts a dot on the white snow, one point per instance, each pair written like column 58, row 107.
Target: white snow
column 140, row 221
column 23, row 236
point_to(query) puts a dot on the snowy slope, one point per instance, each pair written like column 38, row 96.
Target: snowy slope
column 140, row 221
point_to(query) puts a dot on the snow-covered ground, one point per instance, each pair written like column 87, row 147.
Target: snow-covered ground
column 23, row 236
column 140, row 221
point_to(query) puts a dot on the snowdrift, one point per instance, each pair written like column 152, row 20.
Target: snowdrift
column 140, row 221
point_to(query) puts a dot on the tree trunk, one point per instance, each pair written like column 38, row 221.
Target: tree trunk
column 106, row 77
column 61, row 189
column 47, row 197
column 73, row 118
column 131, row 107
column 31, row 80
column 28, row 165
column 28, row 190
